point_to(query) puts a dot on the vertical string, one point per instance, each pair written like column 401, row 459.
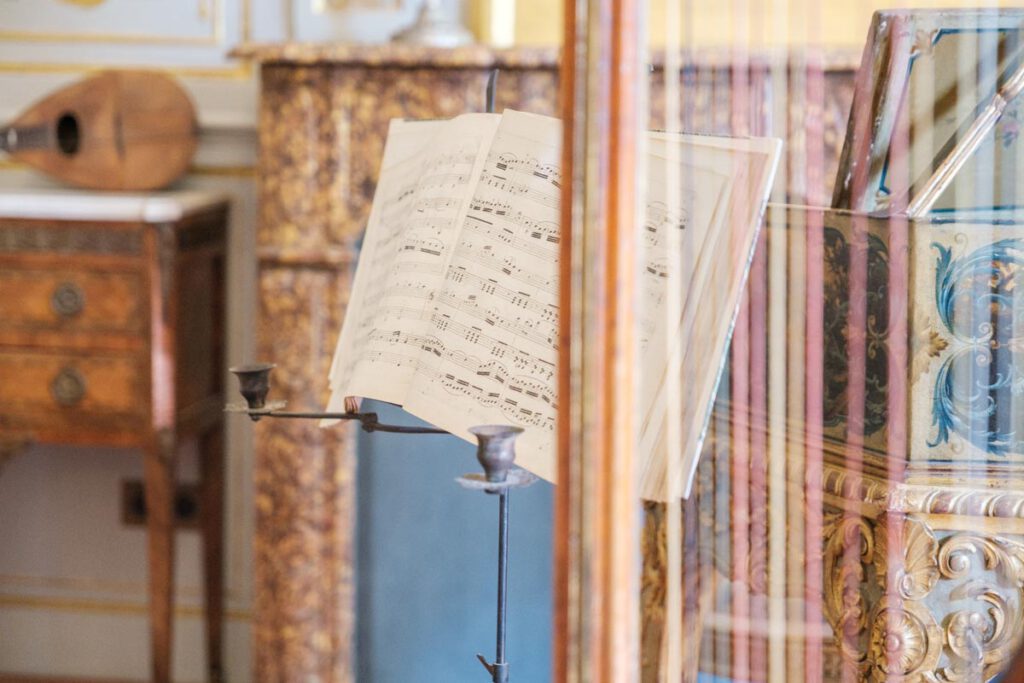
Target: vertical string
column 814, row 353
column 856, row 393
column 760, row 125
column 737, row 81
column 797, row 369
column 777, row 236
column 674, row 631
column 896, row 229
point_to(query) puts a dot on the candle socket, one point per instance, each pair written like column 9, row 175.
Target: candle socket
column 496, row 449
column 254, row 384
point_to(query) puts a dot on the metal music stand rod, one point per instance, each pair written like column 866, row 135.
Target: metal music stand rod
column 495, row 452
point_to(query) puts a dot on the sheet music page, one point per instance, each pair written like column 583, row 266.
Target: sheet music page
column 492, row 340
column 454, row 311
column 427, row 177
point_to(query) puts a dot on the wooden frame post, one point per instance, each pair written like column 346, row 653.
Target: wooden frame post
column 597, row 506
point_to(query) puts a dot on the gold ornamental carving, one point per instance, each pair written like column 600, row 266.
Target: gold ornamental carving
column 849, row 551
column 903, row 642
column 989, row 572
column 907, row 604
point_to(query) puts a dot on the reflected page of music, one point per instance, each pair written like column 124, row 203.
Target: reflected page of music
column 696, row 338
column 491, row 345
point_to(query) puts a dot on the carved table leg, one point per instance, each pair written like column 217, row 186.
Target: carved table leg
column 159, row 482
column 212, row 464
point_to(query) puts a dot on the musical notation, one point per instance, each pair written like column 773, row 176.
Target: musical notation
column 426, row 180
column 469, row 316
column 495, row 317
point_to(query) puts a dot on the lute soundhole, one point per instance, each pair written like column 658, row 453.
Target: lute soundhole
column 68, row 139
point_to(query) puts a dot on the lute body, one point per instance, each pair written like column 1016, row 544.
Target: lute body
column 117, row 130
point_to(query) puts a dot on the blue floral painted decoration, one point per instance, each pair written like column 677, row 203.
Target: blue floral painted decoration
column 979, row 385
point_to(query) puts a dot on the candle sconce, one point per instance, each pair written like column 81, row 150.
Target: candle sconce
column 495, row 452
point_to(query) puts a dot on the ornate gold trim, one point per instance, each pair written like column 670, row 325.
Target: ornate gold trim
column 1000, row 503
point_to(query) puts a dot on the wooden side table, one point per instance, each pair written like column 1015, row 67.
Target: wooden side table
column 111, row 332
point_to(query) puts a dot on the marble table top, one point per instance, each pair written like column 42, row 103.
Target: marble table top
column 70, row 204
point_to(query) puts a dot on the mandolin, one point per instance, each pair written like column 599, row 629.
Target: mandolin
column 116, row 130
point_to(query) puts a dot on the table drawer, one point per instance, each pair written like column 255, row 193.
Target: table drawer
column 44, row 387
column 37, row 299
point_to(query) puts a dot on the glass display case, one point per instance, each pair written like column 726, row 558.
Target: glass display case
column 856, row 511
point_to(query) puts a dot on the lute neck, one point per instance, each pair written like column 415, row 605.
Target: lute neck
column 16, row 138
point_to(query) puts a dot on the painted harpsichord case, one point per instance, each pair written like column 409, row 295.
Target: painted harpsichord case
column 936, row 115
column 922, row 343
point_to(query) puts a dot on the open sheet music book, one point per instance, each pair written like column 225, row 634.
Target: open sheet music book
column 454, row 309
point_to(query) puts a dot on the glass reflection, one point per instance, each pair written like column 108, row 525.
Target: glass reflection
column 858, row 508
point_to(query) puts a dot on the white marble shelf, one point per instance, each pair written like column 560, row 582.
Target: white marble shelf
column 148, row 207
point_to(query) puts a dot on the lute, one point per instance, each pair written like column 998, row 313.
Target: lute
column 116, row 130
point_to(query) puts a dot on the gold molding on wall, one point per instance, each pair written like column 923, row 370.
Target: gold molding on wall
column 217, row 27
column 323, row 6
column 223, row 171
column 241, row 71
column 82, row 606
column 236, row 71
column 246, row 21
column 88, row 584
column 198, row 170
column 98, row 585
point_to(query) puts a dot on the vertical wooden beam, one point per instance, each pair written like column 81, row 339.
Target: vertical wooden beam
column 597, row 507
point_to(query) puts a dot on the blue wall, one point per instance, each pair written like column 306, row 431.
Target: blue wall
column 427, row 564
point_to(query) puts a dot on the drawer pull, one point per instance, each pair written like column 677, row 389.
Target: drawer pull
column 67, row 300
column 68, row 387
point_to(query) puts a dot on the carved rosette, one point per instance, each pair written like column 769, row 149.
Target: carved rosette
column 905, row 604
column 904, row 641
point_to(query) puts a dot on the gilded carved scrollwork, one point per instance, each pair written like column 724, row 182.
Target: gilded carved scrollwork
column 905, row 603
column 989, row 572
column 846, row 604
column 914, row 573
